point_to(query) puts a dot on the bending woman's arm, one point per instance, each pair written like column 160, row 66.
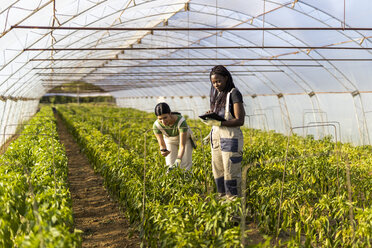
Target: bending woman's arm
column 239, row 116
column 181, row 149
column 162, row 145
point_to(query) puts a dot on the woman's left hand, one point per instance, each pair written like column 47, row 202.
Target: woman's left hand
column 177, row 163
column 211, row 122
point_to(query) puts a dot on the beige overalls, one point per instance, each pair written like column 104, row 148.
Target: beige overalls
column 227, row 151
column 173, row 143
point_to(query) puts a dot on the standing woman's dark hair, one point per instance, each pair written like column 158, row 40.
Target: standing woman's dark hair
column 218, row 101
column 162, row 108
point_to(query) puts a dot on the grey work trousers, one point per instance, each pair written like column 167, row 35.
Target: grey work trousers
column 227, row 151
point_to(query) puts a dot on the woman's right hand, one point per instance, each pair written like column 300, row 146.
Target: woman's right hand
column 165, row 153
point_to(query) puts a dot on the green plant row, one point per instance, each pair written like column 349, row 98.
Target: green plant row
column 178, row 211
column 314, row 209
column 35, row 200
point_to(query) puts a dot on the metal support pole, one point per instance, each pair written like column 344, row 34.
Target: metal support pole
column 328, row 47
column 244, row 202
column 254, row 115
column 191, row 29
column 313, row 111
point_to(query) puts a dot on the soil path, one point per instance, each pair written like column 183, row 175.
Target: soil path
column 95, row 213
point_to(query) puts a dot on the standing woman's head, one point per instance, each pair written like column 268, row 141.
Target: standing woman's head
column 222, row 83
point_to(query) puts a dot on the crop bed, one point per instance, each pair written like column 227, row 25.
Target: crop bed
column 300, row 191
column 315, row 193
column 35, row 201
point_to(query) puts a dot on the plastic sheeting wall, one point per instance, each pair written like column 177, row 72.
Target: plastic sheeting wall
column 13, row 113
column 191, row 106
column 282, row 114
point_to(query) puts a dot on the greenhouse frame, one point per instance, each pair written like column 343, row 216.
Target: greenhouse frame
column 303, row 68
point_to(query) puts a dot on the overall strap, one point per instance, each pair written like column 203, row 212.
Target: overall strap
column 180, row 122
column 179, row 125
column 189, row 132
column 161, row 129
column 227, row 106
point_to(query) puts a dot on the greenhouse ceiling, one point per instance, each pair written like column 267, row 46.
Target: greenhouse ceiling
column 275, row 49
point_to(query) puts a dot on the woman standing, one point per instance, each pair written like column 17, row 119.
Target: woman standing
column 173, row 135
column 226, row 136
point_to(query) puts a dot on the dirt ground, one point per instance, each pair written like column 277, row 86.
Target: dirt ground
column 95, row 213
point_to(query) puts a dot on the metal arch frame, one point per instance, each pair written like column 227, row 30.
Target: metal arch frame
column 123, row 49
column 314, row 112
column 317, row 101
column 247, row 40
column 25, row 64
column 136, row 37
column 30, row 85
column 232, row 59
column 284, row 104
column 143, row 73
column 69, row 35
column 166, row 13
column 281, row 100
column 170, row 67
column 167, row 65
column 311, row 6
column 360, row 117
column 45, row 35
column 335, row 67
column 208, row 13
column 205, row 58
column 220, row 29
column 162, row 14
column 216, row 33
column 31, row 14
column 263, row 110
column 10, row 6
column 297, row 38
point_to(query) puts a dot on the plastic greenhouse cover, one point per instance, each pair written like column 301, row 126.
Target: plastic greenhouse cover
column 16, row 70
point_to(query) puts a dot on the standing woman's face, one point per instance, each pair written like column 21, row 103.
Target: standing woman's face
column 219, row 82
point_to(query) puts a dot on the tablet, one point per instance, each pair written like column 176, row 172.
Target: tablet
column 213, row 116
